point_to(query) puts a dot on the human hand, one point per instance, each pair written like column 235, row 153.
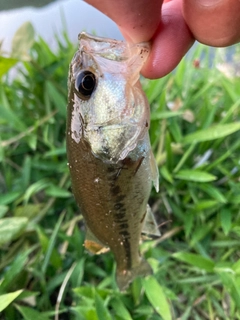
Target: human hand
column 172, row 26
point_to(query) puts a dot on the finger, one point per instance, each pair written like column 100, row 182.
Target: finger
column 137, row 20
column 213, row 22
column 170, row 42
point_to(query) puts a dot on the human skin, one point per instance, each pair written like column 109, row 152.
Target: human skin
column 172, row 26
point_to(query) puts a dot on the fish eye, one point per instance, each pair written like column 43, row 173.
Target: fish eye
column 85, row 83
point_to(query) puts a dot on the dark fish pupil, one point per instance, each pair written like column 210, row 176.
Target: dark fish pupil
column 85, row 83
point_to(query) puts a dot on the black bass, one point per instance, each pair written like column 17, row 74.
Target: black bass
column 110, row 159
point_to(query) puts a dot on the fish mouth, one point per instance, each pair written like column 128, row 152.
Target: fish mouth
column 112, row 49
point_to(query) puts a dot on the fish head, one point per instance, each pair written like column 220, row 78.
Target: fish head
column 109, row 110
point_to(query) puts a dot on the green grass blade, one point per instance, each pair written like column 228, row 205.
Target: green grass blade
column 6, row 64
column 195, row 260
column 10, row 228
column 212, row 133
column 31, row 314
column 51, row 244
column 120, row 310
column 8, row 114
column 195, row 175
column 23, row 40
column 102, row 311
column 226, row 220
column 156, row 297
column 6, row 299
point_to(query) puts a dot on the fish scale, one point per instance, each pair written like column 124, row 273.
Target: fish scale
column 111, row 190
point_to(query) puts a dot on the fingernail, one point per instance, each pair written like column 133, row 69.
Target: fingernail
column 208, row 3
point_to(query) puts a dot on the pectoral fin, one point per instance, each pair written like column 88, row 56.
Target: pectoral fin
column 150, row 226
column 93, row 245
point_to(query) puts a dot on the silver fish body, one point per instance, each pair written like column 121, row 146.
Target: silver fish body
column 110, row 159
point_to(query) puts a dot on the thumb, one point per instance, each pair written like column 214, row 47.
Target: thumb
column 213, row 22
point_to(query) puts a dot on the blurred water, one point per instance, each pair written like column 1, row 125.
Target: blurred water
column 12, row 4
column 74, row 15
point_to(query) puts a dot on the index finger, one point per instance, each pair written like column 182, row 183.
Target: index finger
column 137, row 19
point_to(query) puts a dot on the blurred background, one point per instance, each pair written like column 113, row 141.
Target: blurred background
column 51, row 17
column 45, row 272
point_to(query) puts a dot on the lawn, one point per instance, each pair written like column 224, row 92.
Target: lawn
column 45, row 273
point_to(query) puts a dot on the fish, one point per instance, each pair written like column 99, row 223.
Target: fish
column 111, row 163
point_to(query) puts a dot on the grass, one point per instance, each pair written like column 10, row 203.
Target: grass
column 45, row 272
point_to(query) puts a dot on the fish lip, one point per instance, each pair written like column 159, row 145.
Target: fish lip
column 88, row 36
column 113, row 49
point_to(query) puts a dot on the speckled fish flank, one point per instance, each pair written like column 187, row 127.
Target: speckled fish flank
column 110, row 159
